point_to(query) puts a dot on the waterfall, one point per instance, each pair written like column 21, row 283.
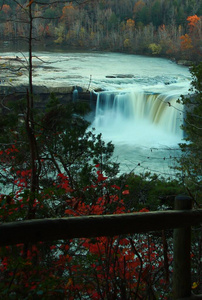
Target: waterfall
column 138, row 117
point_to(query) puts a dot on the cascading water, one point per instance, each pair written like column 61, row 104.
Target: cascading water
column 143, row 124
column 144, row 127
column 139, row 118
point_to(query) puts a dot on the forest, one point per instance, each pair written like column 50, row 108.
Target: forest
column 52, row 167
column 151, row 27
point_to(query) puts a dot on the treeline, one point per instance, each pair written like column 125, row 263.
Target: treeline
column 158, row 27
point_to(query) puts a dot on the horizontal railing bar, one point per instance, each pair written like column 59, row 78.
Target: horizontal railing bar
column 95, row 226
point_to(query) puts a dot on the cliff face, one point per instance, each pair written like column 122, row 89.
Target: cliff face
column 42, row 95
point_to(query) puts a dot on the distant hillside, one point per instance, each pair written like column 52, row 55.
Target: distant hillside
column 171, row 28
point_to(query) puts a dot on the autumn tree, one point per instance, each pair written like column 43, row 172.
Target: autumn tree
column 193, row 21
column 100, row 24
column 186, row 42
column 191, row 41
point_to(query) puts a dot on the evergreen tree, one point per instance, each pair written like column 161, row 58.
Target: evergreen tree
column 191, row 159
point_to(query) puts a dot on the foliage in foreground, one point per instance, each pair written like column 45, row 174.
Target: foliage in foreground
column 100, row 268
column 190, row 161
column 74, row 176
column 120, row 267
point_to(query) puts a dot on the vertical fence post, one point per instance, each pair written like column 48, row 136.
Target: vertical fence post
column 182, row 247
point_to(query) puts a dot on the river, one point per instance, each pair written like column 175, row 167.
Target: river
column 137, row 108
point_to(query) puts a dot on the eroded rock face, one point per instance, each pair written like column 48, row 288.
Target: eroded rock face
column 38, row 89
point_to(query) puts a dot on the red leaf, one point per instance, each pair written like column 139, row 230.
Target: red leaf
column 126, row 192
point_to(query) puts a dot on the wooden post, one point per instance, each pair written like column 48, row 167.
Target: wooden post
column 182, row 247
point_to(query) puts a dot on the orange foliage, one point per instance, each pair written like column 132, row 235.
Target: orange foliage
column 186, row 42
column 162, row 27
column 6, row 8
column 67, row 9
column 193, row 20
column 68, row 15
column 130, row 23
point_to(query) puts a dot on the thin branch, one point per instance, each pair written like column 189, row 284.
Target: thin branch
column 141, row 266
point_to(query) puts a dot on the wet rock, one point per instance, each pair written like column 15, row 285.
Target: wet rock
column 125, row 76
column 120, row 76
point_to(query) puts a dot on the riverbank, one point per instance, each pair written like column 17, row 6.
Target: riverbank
column 8, row 46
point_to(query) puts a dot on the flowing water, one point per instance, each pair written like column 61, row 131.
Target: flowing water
column 144, row 127
column 137, row 108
